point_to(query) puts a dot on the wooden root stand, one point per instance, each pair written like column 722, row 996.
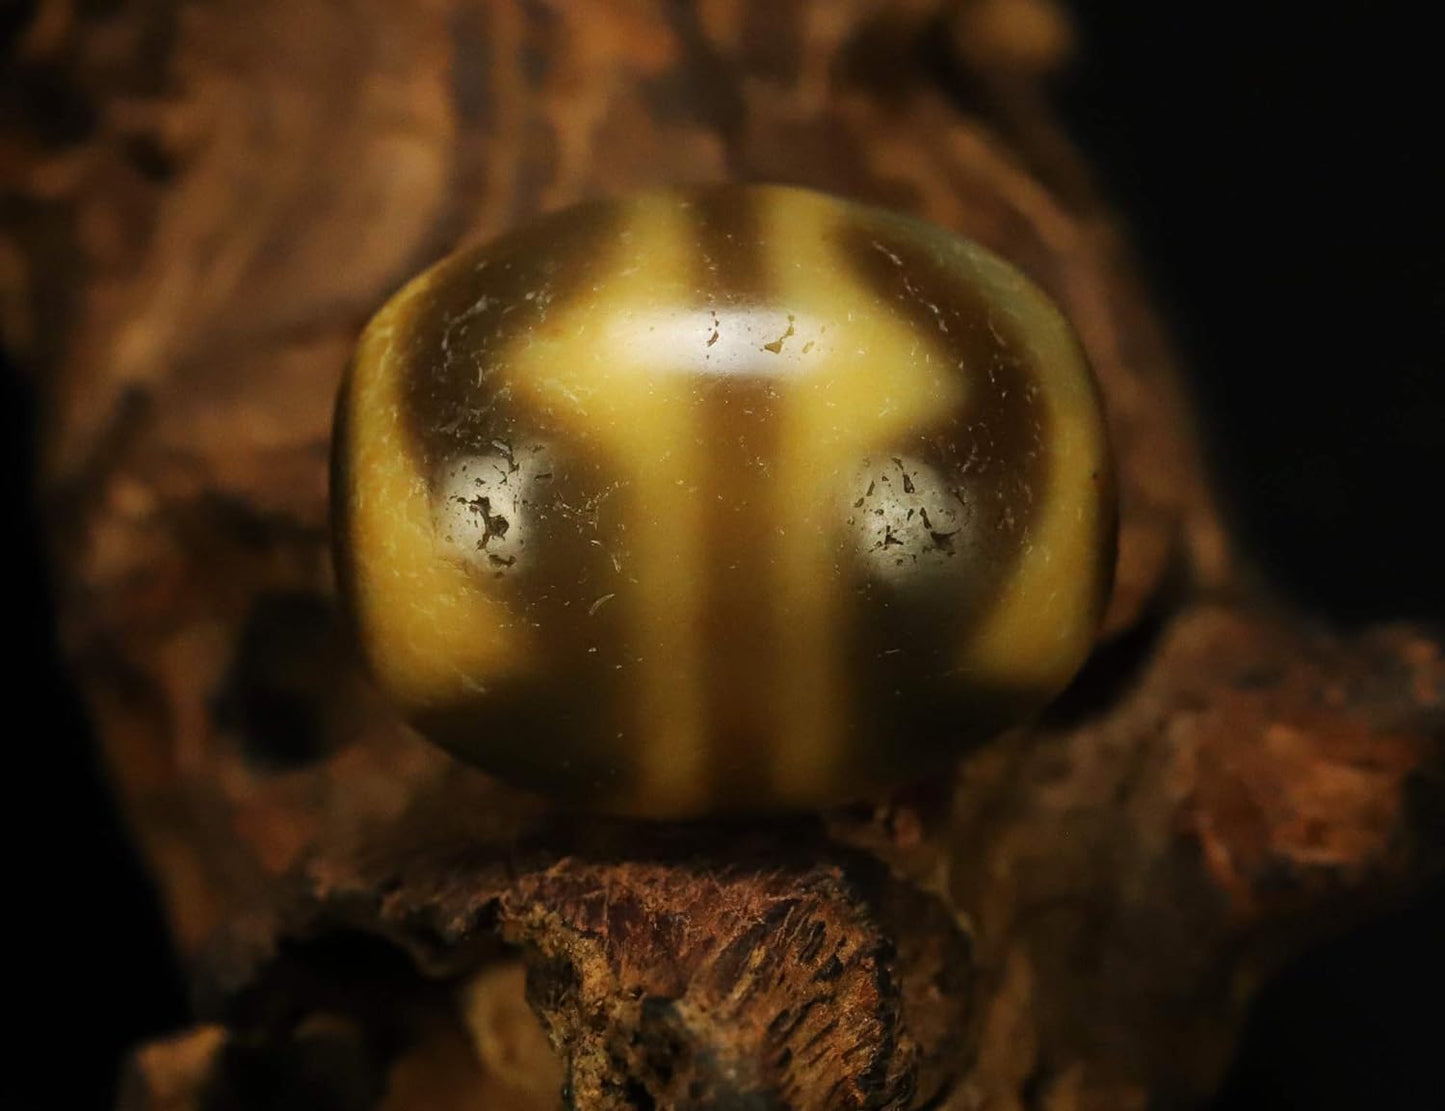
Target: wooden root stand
column 1076, row 920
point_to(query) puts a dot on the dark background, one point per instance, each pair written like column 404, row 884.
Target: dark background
column 1276, row 163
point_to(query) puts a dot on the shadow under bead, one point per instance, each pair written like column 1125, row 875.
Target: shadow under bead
column 733, row 498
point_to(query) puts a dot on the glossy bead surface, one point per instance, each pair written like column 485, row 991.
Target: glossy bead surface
column 722, row 498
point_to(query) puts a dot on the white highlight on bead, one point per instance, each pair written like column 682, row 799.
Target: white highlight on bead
column 486, row 505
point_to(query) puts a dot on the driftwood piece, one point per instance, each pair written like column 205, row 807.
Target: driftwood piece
column 722, row 966
column 1075, row 922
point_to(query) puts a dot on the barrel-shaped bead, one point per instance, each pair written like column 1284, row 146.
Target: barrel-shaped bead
column 731, row 498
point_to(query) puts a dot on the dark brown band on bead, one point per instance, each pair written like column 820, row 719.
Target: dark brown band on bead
column 993, row 458
column 453, row 356
column 742, row 685
column 559, row 729
column 732, row 258
column 456, row 342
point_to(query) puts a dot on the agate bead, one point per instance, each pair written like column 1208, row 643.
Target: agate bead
column 726, row 498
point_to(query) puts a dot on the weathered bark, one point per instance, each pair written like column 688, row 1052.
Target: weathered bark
column 1076, row 921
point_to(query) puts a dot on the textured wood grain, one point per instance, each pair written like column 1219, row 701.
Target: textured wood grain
column 202, row 203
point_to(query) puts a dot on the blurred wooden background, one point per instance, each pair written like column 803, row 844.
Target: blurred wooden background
column 1276, row 180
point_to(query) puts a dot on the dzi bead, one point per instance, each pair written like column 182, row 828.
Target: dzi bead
column 723, row 498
